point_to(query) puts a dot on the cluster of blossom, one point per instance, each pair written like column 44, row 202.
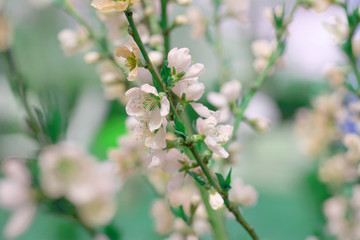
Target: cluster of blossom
column 156, row 138
column 65, row 172
column 330, row 131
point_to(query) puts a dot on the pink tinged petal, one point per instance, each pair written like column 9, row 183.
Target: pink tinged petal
column 103, row 5
column 171, row 165
column 172, row 56
column 165, row 107
column 201, row 110
column 175, row 182
column 19, row 221
column 216, row 99
column 135, row 107
column 194, row 91
column 13, row 193
column 123, row 51
column 215, row 147
column 195, row 71
column 14, row 168
column 157, row 159
column 157, row 140
column 231, row 90
column 155, row 119
column 133, row 74
column 135, row 49
column 199, row 125
column 222, row 133
column 223, row 114
column 149, row 89
column 208, row 125
column 179, row 59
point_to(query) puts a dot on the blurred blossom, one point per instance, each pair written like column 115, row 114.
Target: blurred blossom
column 91, row 186
column 5, row 33
column 17, row 196
column 242, row 194
column 73, row 41
column 262, row 50
column 181, row 20
column 106, row 5
column 92, row 57
column 338, row 28
column 335, row 74
column 320, row 6
column 198, row 22
column 238, row 9
column 162, row 215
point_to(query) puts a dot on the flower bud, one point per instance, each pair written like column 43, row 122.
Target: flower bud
column 262, row 124
column 109, row 77
column 181, row 20
column 215, row 200
column 92, row 57
column 156, row 57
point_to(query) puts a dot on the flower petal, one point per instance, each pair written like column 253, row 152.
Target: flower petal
column 155, row 119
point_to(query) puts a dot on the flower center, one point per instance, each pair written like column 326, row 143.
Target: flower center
column 131, row 62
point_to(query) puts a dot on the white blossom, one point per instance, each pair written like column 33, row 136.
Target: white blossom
column 215, row 200
column 216, row 135
column 146, row 104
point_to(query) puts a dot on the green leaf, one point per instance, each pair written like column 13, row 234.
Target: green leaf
column 179, row 128
column 197, row 178
column 179, row 212
column 228, row 177
column 223, row 184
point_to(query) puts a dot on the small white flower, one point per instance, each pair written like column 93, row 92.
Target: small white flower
column 146, row 104
column 131, row 54
column 215, row 134
column 215, row 200
column 180, row 63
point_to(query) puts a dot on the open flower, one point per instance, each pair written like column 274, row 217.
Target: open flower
column 106, row 5
column 131, row 54
column 146, row 104
column 154, row 140
column 186, row 75
column 216, row 135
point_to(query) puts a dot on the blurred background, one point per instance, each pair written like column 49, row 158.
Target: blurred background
column 290, row 195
